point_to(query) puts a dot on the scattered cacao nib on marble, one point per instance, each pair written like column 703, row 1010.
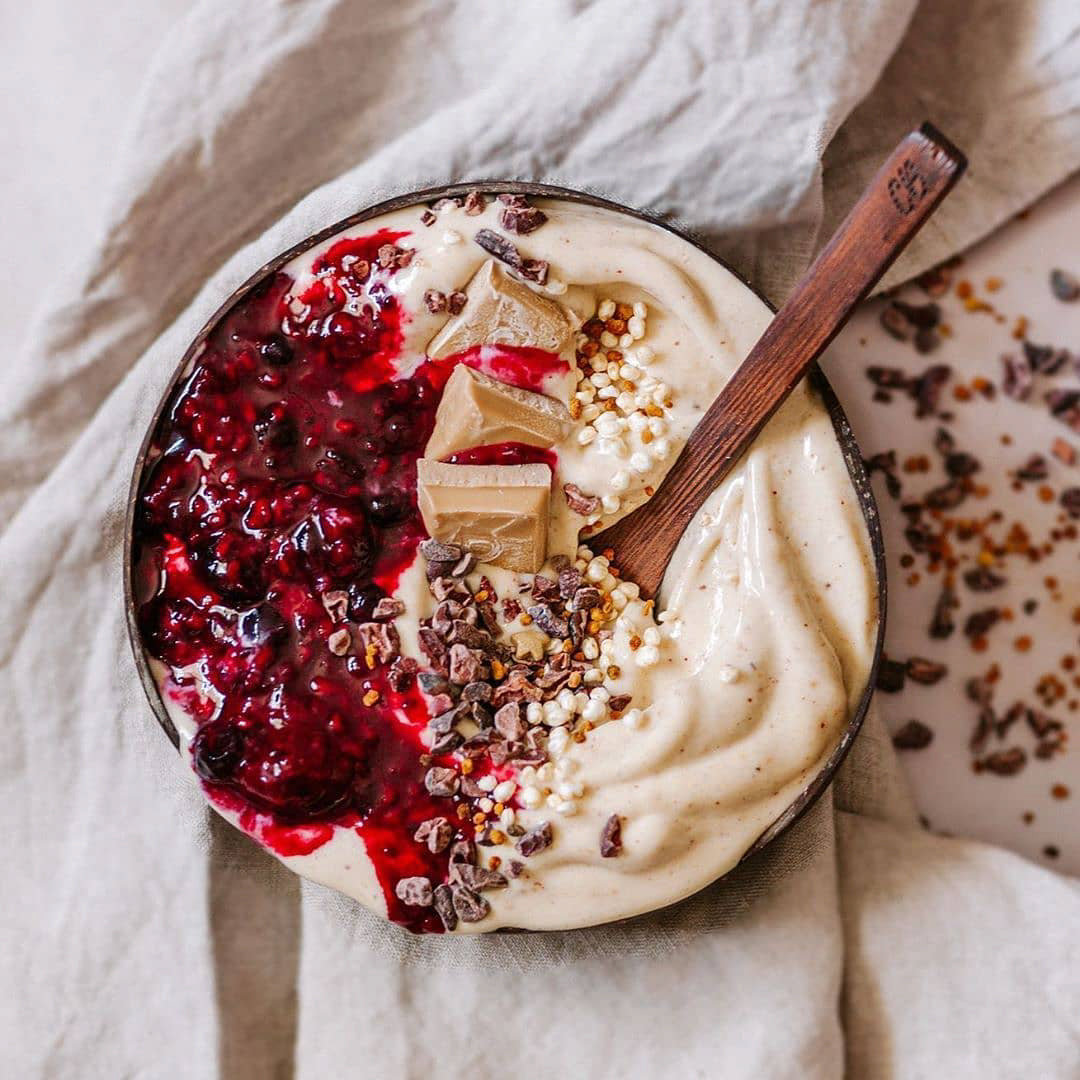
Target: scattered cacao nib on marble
column 1064, row 285
column 985, row 726
column 1045, row 359
column 1017, row 379
column 914, row 735
column 537, row 839
column 894, row 323
column 946, row 496
column 890, row 676
column 979, row 623
column 1005, row 762
column 415, row 891
column 980, row 690
column 1035, row 468
column 1042, row 724
column 885, row 463
column 888, row 378
column 941, row 622
column 929, row 387
column 611, row 837
column 983, row 579
column 926, row 672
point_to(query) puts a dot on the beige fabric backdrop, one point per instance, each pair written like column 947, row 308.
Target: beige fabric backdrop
column 140, row 938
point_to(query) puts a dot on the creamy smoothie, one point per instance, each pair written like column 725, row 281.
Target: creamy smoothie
column 372, row 607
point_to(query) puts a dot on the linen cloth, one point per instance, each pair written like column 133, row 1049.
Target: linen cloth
column 140, row 937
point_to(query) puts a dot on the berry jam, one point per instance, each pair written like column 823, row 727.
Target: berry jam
column 504, row 453
column 284, row 467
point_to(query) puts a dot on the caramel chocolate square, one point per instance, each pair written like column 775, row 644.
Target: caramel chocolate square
column 497, row 512
column 477, row 410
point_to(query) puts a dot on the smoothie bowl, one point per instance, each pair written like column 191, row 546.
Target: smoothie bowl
column 361, row 593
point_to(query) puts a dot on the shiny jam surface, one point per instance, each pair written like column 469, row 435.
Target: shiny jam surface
column 284, row 466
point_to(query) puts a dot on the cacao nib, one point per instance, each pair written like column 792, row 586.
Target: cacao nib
column 522, row 220
column 477, row 691
column 1064, row 285
column 960, row 464
column 435, row 301
column 444, row 906
column 1045, row 359
column 537, row 839
column 1070, row 501
column 611, row 837
column 1035, row 468
column 477, row 878
column 889, row 378
column 441, row 781
column 980, row 623
column 508, row 721
column 466, row 665
column 432, row 683
column 1017, row 379
column 437, row 551
column 1042, row 724
column 914, row 735
column 389, row 607
column 534, row 270
column 570, row 580
column 941, row 623
column 579, row 502
column 474, row 203
column 926, row 672
column 1005, row 762
column 415, row 891
column 984, row 727
column 923, row 316
column 383, row 636
column 979, row 690
column 470, row 906
column 402, row 674
column 447, row 743
column 982, row 579
column 499, row 246
column 890, row 676
column 946, row 497
column 895, row 323
column 929, row 387
column 553, row 625
column 545, row 590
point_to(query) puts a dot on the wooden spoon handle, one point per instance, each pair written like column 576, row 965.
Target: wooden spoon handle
column 900, row 198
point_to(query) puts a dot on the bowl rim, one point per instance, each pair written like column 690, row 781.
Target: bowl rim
column 842, row 429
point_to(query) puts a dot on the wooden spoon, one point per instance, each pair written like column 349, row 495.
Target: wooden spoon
column 918, row 174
